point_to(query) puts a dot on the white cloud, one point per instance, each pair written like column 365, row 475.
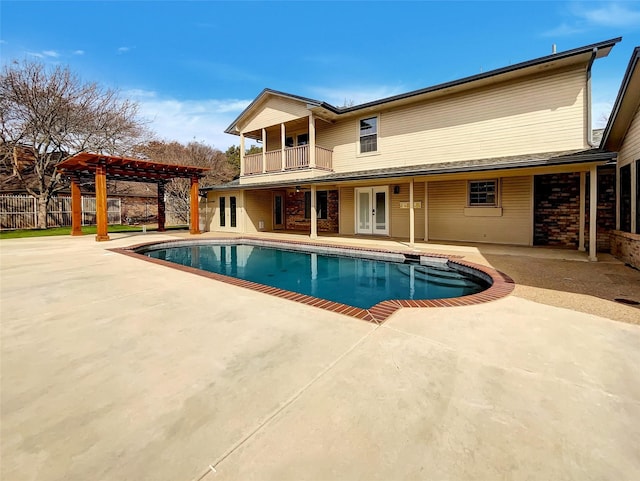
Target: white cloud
column 187, row 120
column 123, row 49
column 78, row 52
column 44, row 54
column 609, row 15
column 590, row 15
column 562, row 30
column 355, row 95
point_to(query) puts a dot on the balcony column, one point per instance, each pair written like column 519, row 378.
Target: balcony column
column 283, row 139
column 593, row 212
column 314, row 213
column 264, row 151
column 312, row 141
column 241, row 154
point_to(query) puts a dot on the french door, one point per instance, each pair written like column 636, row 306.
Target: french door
column 372, row 210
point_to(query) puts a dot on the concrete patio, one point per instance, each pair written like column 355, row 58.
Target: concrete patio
column 113, row 369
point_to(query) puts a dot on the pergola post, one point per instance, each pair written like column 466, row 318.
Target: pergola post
column 161, row 208
column 101, row 203
column 76, row 207
column 194, row 215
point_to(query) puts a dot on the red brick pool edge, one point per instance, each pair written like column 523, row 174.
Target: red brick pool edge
column 501, row 284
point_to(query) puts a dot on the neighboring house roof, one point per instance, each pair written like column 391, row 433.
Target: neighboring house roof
column 477, row 165
column 580, row 54
column 625, row 107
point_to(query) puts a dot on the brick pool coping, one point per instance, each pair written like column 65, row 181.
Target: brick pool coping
column 501, row 284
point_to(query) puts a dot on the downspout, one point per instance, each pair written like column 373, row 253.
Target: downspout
column 589, row 119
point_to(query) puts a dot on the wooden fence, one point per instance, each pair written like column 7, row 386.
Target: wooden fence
column 20, row 211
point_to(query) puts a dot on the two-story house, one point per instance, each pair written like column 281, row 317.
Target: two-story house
column 505, row 156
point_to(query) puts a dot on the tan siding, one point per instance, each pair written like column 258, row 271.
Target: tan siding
column 447, row 221
column 258, row 207
column 347, row 211
column 535, row 114
column 630, row 149
column 275, row 111
column 399, row 218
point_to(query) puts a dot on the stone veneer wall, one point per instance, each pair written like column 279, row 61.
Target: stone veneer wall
column 556, row 211
column 626, row 247
column 606, row 209
column 294, row 213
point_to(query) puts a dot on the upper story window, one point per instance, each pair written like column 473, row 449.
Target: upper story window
column 483, row 193
column 369, row 135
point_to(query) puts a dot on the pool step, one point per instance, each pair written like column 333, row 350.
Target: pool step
column 441, row 277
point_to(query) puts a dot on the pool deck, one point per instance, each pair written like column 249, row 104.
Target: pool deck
column 113, row 368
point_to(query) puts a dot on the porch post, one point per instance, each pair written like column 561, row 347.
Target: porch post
column 194, row 216
column 312, row 142
column 617, row 196
column 314, row 213
column 581, row 213
column 101, row 202
column 634, row 197
column 161, row 207
column 264, row 151
column 283, row 139
column 412, row 216
column 426, row 211
column 241, row 154
column 593, row 212
column 76, row 207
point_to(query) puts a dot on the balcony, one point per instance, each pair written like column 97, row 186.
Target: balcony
column 288, row 159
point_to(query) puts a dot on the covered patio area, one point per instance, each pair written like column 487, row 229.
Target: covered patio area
column 99, row 167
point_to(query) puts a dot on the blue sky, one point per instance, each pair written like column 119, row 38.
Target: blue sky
column 193, row 66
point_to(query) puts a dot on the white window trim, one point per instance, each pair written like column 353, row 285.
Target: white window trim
column 498, row 202
column 377, row 151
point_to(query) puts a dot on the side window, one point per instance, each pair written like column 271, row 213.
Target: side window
column 369, row 135
column 321, row 204
column 288, row 142
column 232, row 209
column 483, row 193
column 222, row 211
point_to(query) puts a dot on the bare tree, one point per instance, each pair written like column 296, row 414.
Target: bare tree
column 49, row 115
column 195, row 154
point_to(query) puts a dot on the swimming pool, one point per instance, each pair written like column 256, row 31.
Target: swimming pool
column 357, row 278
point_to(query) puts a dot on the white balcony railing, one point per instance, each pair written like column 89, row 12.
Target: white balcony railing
column 294, row 158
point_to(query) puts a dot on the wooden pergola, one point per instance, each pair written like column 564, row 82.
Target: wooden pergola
column 88, row 166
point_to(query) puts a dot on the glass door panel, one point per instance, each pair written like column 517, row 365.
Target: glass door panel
column 381, row 212
column 363, row 198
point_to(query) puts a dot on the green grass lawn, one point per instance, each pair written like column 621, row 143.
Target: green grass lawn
column 90, row 229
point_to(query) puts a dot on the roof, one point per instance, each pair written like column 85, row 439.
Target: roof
column 625, row 107
column 123, row 168
column 545, row 159
column 601, row 49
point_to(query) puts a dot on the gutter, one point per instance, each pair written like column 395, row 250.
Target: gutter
column 594, row 53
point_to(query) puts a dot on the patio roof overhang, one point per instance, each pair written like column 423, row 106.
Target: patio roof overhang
column 515, row 162
column 99, row 166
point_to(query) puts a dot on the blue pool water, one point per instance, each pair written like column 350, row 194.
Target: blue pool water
column 349, row 280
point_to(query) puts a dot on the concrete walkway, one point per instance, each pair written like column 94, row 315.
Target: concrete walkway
column 113, row 369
